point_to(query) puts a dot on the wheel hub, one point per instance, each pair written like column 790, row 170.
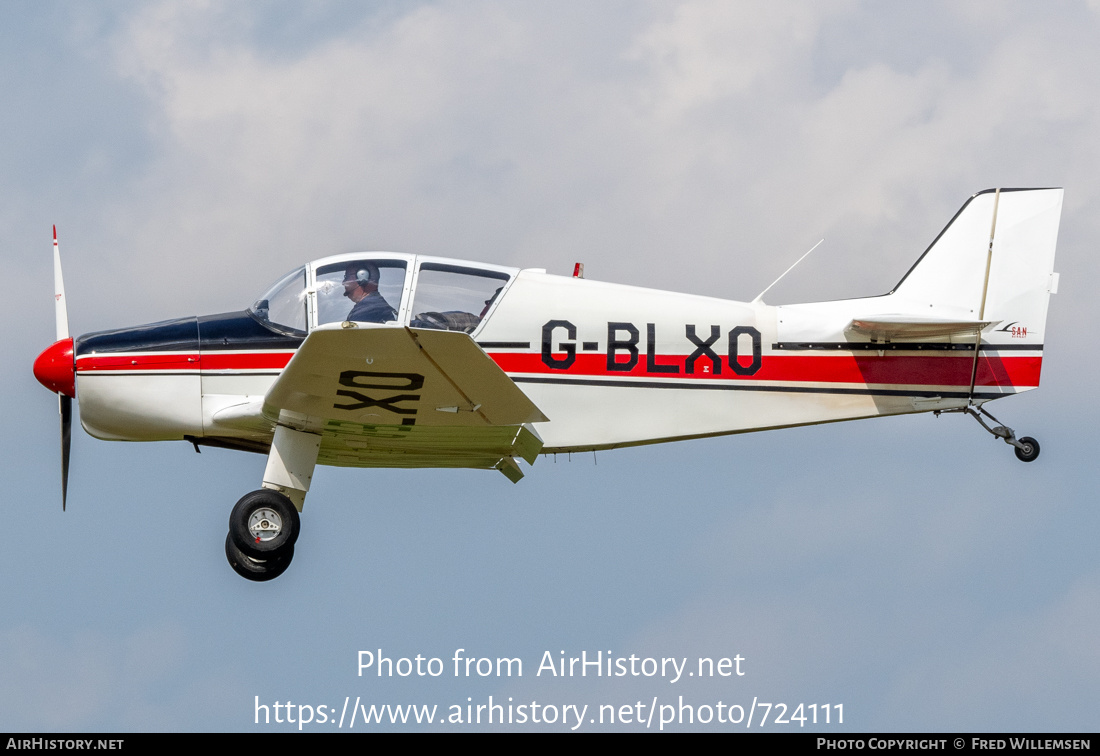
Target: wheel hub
column 265, row 524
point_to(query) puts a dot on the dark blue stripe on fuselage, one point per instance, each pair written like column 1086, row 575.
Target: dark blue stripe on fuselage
column 239, row 330
column 209, row 333
column 180, row 335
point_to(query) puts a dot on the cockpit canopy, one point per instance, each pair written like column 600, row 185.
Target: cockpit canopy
column 423, row 292
column 283, row 306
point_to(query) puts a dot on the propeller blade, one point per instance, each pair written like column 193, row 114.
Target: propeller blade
column 64, row 402
column 61, row 314
column 65, row 407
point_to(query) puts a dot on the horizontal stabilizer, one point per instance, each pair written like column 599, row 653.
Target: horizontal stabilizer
column 903, row 327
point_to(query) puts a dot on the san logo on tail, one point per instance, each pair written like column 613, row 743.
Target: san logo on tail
column 393, row 360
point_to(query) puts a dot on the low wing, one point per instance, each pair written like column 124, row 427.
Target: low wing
column 902, row 327
column 404, row 397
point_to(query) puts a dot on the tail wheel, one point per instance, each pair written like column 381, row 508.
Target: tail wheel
column 264, row 523
column 257, row 570
column 1030, row 449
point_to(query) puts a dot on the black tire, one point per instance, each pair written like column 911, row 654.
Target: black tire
column 257, row 570
column 255, row 511
column 1030, row 451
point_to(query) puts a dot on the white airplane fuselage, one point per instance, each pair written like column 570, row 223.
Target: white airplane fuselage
column 609, row 365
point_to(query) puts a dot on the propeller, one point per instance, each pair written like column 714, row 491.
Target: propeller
column 55, row 368
column 65, row 407
column 61, row 313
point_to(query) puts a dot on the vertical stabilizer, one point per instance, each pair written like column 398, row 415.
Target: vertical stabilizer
column 993, row 262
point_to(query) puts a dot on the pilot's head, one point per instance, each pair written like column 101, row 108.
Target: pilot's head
column 360, row 279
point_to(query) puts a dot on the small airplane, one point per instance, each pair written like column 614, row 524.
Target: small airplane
column 379, row 359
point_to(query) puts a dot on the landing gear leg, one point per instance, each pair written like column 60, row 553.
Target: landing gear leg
column 1027, row 448
column 264, row 524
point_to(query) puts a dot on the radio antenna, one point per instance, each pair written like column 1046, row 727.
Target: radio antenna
column 760, row 297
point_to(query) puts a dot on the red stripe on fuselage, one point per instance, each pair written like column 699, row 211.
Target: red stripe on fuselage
column 906, row 370
column 918, row 370
column 112, row 362
column 243, row 361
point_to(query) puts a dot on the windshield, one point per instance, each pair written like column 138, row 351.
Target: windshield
column 283, row 307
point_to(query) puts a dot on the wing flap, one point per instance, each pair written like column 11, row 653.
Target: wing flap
column 346, row 444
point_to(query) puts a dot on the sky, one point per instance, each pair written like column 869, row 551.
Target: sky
column 908, row 570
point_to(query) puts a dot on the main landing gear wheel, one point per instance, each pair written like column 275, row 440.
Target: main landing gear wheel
column 263, row 524
column 257, row 570
column 1028, row 449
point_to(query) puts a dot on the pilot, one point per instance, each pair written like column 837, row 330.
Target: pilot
column 361, row 287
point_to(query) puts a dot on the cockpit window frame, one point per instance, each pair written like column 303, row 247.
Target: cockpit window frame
column 328, row 297
column 315, row 266
column 413, row 263
column 505, row 274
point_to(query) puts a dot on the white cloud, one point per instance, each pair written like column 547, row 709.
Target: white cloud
column 693, row 146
